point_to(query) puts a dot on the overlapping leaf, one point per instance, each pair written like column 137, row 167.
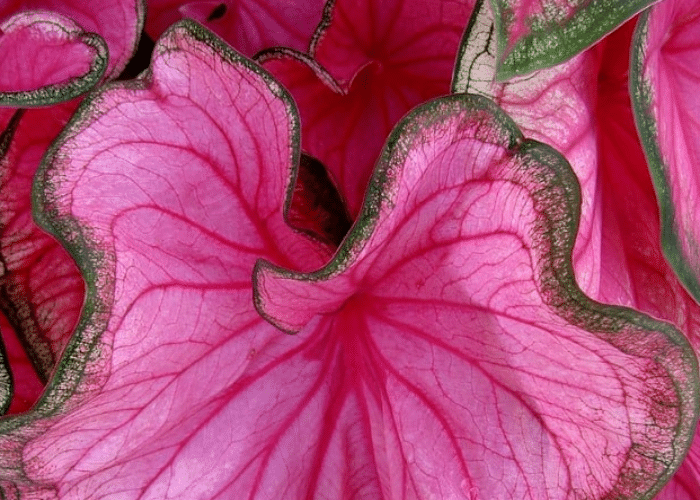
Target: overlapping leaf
column 535, row 34
column 664, row 89
column 623, row 264
column 370, row 63
column 118, row 22
column 454, row 285
column 41, row 289
column 550, row 105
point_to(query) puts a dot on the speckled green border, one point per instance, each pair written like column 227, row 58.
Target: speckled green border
column 643, row 96
column 555, row 191
column 553, row 42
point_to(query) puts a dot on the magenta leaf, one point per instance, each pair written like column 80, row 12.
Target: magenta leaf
column 118, row 22
column 664, row 79
column 174, row 186
column 47, row 58
column 453, row 304
column 534, row 34
column 248, row 25
column 457, row 356
column 371, row 62
column 41, row 290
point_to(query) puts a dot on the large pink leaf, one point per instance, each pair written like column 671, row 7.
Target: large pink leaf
column 41, row 290
column 664, row 83
column 374, row 61
column 176, row 186
column 456, row 311
column 118, row 22
column 534, row 34
column 47, row 58
column 248, row 25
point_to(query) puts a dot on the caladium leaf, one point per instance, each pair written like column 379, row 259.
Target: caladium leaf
column 534, row 34
column 41, row 290
column 370, row 63
column 664, row 77
column 47, row 58
column 174, row 186
column 454, row 286
column 118, row 22
column 553, row 106
column 248, row 25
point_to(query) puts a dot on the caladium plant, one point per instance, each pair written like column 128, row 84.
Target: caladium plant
column 237, row 340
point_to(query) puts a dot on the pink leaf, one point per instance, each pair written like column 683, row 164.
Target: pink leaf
column 664, row 89
column 248, row 25
column 553, row 106
column 484, row 368
column 118, row 22
column 42, row 290
column 47, row 58
column 374, row 61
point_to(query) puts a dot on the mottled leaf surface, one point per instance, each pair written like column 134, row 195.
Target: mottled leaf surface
column 535, row 34
column 370, row 63
column 248, row 25
column 47, row 58
column 664, row 83
column 485, row 370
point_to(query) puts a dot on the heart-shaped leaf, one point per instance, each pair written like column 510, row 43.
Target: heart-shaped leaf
column 481, row 365
column 535, row 34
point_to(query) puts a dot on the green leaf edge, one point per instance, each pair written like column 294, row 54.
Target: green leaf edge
column 552, row 174
column 643, row 97
column 56, row 93
column 570, row 39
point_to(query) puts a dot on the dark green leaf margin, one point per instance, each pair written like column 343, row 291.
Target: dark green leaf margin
column 642, row 95
column 553, row 40
column 555, row 191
